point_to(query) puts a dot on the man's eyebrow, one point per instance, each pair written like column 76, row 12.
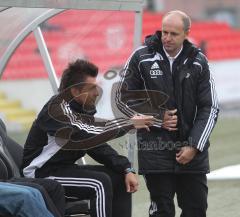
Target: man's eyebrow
column 89, row 85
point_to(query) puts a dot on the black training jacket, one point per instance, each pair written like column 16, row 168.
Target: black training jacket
column 64, row 132
column 148, row 86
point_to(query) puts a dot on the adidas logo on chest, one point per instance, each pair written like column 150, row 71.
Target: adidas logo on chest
column 155, row 70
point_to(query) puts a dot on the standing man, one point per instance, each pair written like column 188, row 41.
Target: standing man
column 66, row 129
column 173, row 156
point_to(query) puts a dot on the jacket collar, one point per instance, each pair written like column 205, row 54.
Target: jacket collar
column 79, row 108
column 74, row 105
column 154, row 43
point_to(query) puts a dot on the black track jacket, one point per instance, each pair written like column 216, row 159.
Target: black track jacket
column 64, row 132
column 189, row 88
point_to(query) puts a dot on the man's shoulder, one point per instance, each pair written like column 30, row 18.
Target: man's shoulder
column 51, row 104
column 200, row 60
column 195, row 56
column 200, row 56
column 143, row 51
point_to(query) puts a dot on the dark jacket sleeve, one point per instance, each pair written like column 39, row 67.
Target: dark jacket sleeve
column 130, row 84
column 79, row 131
column 132, row 97
column 207, row 108
column 106, row 155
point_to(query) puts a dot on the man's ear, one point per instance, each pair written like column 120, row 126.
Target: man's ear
column 187, row 33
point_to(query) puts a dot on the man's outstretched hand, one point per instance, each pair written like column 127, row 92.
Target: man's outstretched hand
column 142, row 121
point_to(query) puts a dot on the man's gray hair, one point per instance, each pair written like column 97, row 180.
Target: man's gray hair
column 185, row 18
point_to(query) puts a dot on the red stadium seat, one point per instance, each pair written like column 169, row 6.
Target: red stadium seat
column 108, row 42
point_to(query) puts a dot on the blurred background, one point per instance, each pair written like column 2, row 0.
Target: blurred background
column 106, row 38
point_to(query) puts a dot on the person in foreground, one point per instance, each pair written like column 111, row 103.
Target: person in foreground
column 173, row 156
column 66, row 129
column 22, row 201
column 20, row 196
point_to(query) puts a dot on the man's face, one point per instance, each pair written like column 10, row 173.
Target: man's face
column 87, row 93
column 173, row 34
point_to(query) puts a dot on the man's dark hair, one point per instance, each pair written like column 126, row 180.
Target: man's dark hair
column 76, row 73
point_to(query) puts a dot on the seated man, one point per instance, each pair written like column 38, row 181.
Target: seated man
column 22, row 201
column 65, row 130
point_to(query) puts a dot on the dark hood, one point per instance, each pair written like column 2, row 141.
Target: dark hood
column 154, row 43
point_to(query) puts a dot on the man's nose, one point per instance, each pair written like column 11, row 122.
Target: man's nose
column 96, row 92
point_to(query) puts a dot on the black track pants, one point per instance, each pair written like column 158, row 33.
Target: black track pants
column 103, row 187
column 191, row 190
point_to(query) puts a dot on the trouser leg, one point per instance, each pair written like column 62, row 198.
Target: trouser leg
column 22, row 201
column 162, row 189
column 82, row 183
column 52, row 192
column 122, row 200
column 192, row 194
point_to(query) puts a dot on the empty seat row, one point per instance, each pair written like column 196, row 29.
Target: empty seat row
column 108, row 42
